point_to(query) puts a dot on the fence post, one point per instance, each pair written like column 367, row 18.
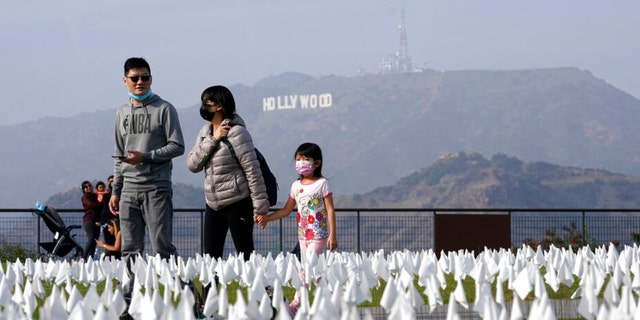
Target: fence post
column 39, row 240
column 281, row 235
column 511, row 229
column 358, row 231
column 584, row 228
column 202, row 213
column 435, row 230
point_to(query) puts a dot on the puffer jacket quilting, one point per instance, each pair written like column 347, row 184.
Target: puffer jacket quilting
column 227, row 180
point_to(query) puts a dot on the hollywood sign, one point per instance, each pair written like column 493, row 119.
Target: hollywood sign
column 297, row 101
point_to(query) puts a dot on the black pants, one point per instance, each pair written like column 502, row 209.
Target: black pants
column 238, row 218
column 93, row 232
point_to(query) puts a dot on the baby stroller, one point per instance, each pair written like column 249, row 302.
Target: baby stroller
column 63, row 241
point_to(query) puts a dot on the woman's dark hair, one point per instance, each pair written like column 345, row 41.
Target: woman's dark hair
column 311, row 150
column 136, row 63
column 85, row 183
column 221, row 96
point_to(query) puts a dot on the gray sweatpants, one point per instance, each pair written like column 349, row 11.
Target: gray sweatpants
column 153, row 209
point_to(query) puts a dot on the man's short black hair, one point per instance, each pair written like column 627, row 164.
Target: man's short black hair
column 135, row 63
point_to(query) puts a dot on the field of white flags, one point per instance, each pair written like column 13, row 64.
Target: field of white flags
column 338, row 282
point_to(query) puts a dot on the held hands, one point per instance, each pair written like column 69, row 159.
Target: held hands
column 100, row 243
column 261, row 219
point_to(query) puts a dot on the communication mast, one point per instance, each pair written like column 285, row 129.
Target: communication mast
column 400, row 61
column 404, row 61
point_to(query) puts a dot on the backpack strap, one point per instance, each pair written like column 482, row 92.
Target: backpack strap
column 233, row 153
column 226, row 141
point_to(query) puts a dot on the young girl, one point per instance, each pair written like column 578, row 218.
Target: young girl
column 316, row 215
column 101, row 191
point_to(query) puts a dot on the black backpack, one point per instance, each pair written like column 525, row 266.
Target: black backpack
column 269, row 179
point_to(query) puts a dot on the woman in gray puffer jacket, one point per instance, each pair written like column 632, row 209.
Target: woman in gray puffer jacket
column 233, row 185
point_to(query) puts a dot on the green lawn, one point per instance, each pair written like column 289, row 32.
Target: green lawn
column 563, row 292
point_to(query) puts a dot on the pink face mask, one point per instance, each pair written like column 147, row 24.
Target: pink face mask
column 304, row 167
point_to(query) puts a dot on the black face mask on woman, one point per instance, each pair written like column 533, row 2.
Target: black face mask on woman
column 205, row 113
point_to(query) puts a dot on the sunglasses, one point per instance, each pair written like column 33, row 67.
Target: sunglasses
column 143, row 78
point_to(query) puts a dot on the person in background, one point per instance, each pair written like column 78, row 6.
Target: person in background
column 90, row 219
column 147, row 138
column 316, row 215
column 101, row 191
column 113, row 228
column 110, row 183
column 106, row 216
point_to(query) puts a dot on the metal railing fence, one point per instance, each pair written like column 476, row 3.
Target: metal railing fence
column 359, row 229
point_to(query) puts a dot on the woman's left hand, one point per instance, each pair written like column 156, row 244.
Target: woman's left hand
column 260, row 219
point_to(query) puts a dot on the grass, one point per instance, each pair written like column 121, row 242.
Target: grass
column 564, row 291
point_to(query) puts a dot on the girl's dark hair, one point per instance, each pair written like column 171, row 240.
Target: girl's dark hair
column 100, row 183
column 311, row 150
column 221, row 96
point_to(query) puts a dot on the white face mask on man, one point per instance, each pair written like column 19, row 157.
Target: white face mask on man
column 304, row 167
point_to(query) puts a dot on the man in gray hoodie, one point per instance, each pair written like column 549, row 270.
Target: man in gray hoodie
column 147, row 137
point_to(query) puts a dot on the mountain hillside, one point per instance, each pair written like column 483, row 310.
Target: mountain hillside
column 467, row 180
column 184, row 196
column 373, row 129
column 470, row 181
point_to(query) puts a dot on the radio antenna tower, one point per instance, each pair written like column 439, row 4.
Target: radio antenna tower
column 403, row 61
column 400, row 61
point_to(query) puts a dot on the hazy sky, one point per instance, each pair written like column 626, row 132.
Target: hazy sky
column 60, row 58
